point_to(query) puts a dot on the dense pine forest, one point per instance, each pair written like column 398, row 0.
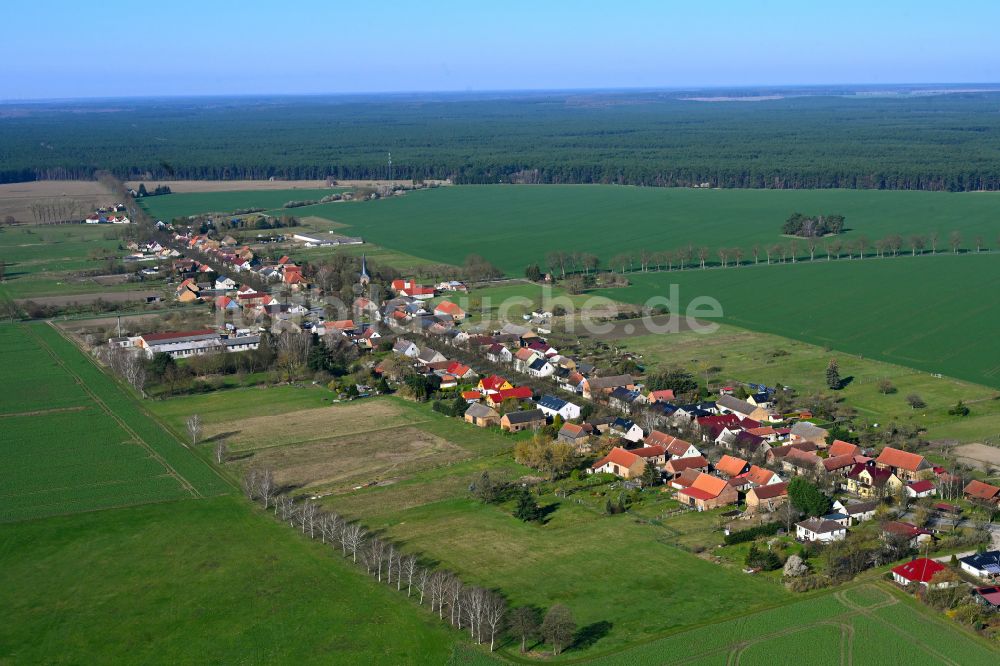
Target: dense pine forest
column 902, row 141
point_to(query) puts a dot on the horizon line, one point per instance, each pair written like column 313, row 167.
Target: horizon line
column 976, row 86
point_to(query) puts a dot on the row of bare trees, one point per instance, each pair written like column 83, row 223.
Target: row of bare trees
column 833, row 248
column 481, row 612
column 128, row 365
column 58, row 211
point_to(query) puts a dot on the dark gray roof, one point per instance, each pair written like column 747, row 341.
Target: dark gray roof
column 480, row 411
column 552, row 402
column 526, row 416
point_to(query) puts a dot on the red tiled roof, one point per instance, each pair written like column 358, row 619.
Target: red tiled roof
column 493, row 382
column 517, row 393
column 650, row 451
column 979, row 490
column 730, row 465
column 842, row 448
column 919, row 570
column 838, row 462
column 921, row 486
column 618, row 456
column 698, row 493
column 771, row 491
column 911, row 462
column 472, row 395
column 448, row 307
column 710, row 484
column 678, row 465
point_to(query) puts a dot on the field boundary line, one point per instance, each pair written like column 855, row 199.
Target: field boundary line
column 153, row 454
column 44, row 412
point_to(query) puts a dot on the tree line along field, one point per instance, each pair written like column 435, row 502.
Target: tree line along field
column 832, row 137
column 74, row 441
column 513, row 226
column 927, row 313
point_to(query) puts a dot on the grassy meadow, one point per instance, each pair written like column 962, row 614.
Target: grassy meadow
column 45, row 260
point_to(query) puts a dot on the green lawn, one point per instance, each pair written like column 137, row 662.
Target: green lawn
column 208, row 582
column 514, row 225
column 170, row 206
column 927, row 313
column 606, row 569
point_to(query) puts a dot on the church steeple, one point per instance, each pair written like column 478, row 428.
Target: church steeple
column 365, row 278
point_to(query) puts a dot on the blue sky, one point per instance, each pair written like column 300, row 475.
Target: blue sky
column 58, row 49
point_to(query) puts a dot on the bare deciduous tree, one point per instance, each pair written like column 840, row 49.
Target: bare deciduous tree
column 494, row 613
column 220, row 452
column 194, row 428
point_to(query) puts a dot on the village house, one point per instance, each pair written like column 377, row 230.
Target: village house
column 553, row 406
column 908, row 532
column 540, row 368
column 818, row 529
column 838, row 465
column 766, row 498
column 406, row 348
column 497, row 353
column 919, row 489
column 515, row 395
column 730, row 466
column 663, row 395
column 653, row 455
column 797, row 461
column 598, row 388
column 530, row 419
column 675, row 446
column 707, row 492
column 919, row 571
column 804, row 431
column 842, row 448
column 728, row 404
column 449, row 309
column 577, row 435
column 624, row 400
column 857, row 511
column 872, row 482
column 493, row 383
column 987, row 596
column 905, row 465
column 982, row 565
column 978, row 491
column 627, row 430
column 621, row 463
column 677, row 466
column 480, row 415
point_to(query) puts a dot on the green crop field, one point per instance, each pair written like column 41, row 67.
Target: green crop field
column 75, row 441
column 928, row 313
column 515, row 225
column 170, row 206
column 209, row 582
column 825, row 629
